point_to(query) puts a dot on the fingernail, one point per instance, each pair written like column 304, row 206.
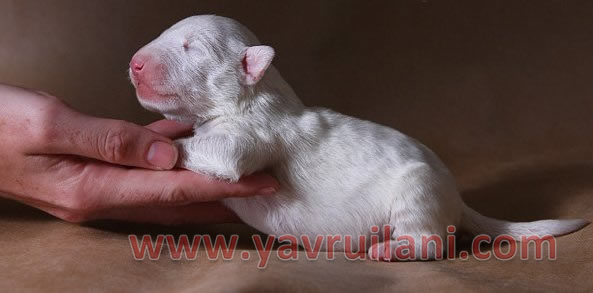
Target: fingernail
column 267, row 191
column 162, row 155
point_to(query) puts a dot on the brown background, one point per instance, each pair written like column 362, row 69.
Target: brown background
column 501, row 90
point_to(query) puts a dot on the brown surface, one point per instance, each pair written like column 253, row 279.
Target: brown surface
column 501, row 91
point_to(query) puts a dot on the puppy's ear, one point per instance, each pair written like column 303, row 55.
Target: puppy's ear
column 254, row 62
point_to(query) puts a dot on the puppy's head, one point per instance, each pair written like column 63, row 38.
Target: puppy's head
column 201, row 66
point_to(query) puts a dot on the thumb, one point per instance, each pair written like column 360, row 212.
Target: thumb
column 114, row 141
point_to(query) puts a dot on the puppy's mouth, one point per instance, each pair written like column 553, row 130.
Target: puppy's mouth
column 148, row 89
column 155, row 95
column 145, row 91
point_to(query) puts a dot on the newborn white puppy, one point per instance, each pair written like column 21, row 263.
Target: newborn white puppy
column 339, row 175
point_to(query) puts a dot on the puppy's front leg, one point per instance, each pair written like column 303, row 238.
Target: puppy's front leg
column 218, row 156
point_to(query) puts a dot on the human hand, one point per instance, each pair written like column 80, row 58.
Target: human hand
column 79, row 168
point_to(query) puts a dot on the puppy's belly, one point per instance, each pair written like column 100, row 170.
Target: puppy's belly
column 277, row 216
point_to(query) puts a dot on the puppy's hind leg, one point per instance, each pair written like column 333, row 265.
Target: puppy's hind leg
column 409, row 247
column 416, row 232
column 425, row 202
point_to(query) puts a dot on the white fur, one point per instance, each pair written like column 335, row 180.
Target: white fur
column 338, row 174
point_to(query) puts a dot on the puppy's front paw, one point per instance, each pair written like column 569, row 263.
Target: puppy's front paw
column 191, row 159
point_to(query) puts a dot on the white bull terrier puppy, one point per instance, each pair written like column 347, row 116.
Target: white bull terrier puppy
column 338, row 175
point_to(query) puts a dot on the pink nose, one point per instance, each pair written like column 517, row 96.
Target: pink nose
column 137, row 64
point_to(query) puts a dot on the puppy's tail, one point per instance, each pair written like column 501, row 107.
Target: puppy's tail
column 475, row 223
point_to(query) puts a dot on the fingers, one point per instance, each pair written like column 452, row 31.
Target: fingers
column 53, row 128
column 79, row 190
column 112, row 141
column 170, row 128
column 117, row 187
